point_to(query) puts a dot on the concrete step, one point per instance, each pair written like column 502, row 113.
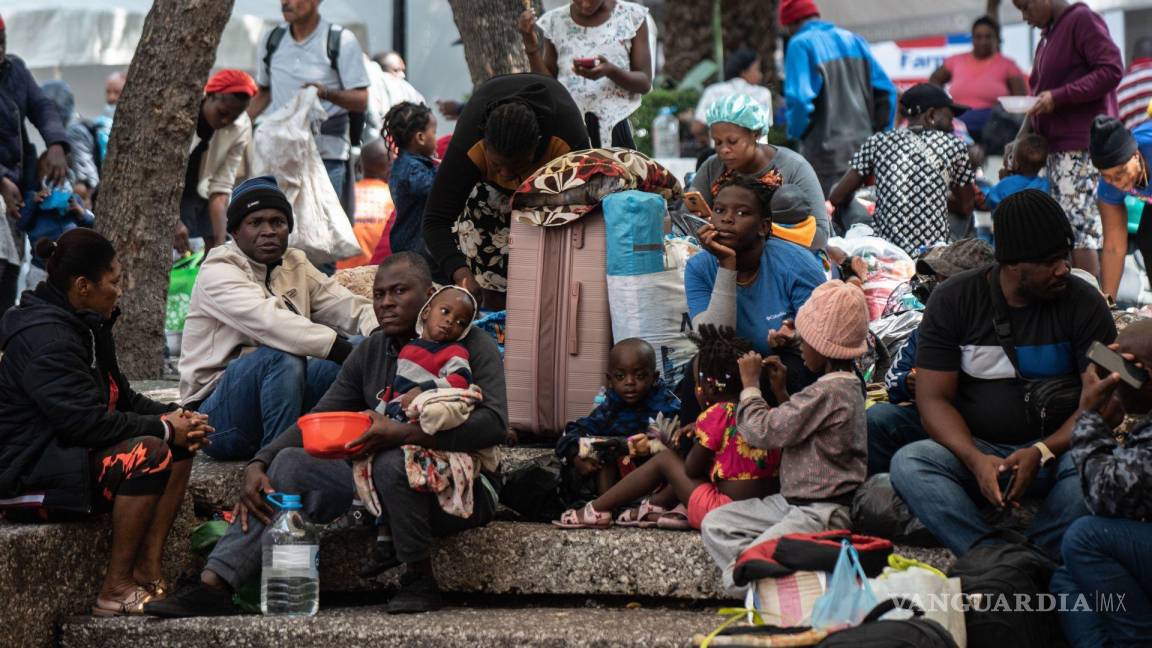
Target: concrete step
column 50, row 571
column 525, row 558
column 548, row 627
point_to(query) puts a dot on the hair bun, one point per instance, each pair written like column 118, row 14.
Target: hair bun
column 45, row 248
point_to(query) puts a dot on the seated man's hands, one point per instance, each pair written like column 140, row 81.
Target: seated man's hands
column 986, row 469
column 253, row 488
column 383, row 434
column 1025, row 463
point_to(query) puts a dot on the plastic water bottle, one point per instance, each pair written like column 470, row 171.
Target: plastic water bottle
column 666, row 134
column 290, row 579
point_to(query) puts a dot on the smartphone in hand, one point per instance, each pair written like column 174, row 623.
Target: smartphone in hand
column 1112, row 362
column 695, row 203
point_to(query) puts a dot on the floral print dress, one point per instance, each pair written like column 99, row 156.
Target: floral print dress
column 613, row 40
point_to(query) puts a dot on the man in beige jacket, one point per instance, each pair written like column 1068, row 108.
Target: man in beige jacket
column 266, row 332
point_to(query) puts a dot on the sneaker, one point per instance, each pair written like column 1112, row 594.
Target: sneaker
column 382, row 559
column 196, row 600
column 418, row 593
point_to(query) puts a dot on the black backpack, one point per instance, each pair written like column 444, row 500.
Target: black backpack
column 355, row 119
column 999, row 573
column 917, row 632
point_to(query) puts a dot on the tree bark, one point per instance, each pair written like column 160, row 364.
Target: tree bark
column 687, row 34
column 492, row 44
column 147, row 159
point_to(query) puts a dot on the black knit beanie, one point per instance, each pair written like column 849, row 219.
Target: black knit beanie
column 1030, row 226
column 1111, row 144
column 255, row 194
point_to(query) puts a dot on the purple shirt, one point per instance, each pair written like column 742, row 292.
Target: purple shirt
column 1078, row 62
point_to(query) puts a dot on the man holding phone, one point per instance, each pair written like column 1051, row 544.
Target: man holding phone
column 993, row 343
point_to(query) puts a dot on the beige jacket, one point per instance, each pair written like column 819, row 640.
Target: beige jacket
column 237, row 306
column 222, row 161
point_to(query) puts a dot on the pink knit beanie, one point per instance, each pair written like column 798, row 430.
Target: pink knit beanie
column 834, row 321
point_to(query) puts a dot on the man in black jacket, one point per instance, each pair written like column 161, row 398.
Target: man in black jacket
column 403, row 283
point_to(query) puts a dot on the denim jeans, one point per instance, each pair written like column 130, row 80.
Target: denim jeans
column 1109, row 557
column 260, row 395
column 941, row 491
column 338, row 174
column 891, row 427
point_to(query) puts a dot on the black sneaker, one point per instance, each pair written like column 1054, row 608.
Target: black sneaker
column 382, row 559
column 418, row 593
column 197, row 600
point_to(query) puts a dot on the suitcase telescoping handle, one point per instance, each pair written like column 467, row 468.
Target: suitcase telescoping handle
column 574, row 318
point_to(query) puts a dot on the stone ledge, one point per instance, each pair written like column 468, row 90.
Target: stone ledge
column 51, row 571
column 548, row 627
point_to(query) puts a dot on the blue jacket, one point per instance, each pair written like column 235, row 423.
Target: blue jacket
column 896, row 380
column 1015, row 184
column 20, row 99
column 836, row 93
column 40, row 223
column 613, row 418
column 410, row 183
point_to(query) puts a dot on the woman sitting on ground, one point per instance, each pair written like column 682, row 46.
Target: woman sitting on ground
column 750, row 280
column 74, row 437
column 736, row 124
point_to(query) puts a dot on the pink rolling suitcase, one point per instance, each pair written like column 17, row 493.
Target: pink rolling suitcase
column 559, row 329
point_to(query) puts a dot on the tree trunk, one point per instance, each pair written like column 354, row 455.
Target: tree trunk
column 687, row 34
column 492, row 44
column 147, row 159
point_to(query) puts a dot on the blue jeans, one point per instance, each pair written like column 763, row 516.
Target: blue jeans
column 941, row 491
column 891, row 427
column 1107, row 556
column 259, row 396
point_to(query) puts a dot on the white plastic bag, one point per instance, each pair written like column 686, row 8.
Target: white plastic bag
column 654, row 307
column 888, row 265
column 937, row 595
column 285, row 147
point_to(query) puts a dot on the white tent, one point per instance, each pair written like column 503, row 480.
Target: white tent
column 69, row 33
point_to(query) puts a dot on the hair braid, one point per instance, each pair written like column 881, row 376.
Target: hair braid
column 403, row 121
column 511, row 128
column 720, row 348
column 760, row 189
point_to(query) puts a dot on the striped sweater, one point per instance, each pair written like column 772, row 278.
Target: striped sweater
column 431, row 365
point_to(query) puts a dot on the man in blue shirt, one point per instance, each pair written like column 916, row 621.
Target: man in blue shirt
column 836, row 93
column 1122, row 158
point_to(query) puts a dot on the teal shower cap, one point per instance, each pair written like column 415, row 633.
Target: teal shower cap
column 739, row 109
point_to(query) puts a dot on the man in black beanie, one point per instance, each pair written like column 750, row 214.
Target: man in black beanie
column 1122, row 158
column 266, row 331
column 991, row 340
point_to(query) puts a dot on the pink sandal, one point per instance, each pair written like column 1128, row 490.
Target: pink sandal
column 645, row 516
column 585, row 518
column 675, row 519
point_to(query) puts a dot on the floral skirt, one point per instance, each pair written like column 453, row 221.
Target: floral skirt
column 482, row 231
column 1074, row 180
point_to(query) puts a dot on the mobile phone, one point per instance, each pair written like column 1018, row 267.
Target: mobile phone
column 1113, row 362
column 1008, row 487
column 687, row 223
column 696, row 204
column 589, row 62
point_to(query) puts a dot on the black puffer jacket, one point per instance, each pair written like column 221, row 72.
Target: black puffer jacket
column 54, row 392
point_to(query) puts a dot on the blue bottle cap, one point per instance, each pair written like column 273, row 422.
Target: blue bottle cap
column 286, row 501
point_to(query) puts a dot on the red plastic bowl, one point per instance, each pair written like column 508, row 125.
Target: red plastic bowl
column 326, row 433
